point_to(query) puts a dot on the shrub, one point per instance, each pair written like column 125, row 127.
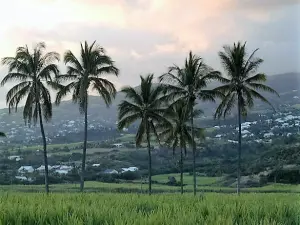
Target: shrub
column 130, row 175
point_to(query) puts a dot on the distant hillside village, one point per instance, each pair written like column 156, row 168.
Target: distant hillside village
column 19, row 132
column 282, row 124
column 260, row 127
column 27, row 173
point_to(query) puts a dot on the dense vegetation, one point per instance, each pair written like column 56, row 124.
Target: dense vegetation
column 160, row 209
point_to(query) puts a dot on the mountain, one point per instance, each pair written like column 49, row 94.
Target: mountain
column 67, row 119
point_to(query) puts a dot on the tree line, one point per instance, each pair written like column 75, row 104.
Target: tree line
column 164, row 109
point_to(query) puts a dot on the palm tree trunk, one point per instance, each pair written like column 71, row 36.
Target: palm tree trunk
column 239, row 149
column 181, row 169
column 45, row 149
column 84, row 148
column 149, row 159
column 194, row 151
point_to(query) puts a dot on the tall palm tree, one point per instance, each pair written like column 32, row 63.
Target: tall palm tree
column 188, row 84
column 84, row 74
column 33, row 71
column 2, row 134
column 240, row 87
column 144, row 104
column 179, row 134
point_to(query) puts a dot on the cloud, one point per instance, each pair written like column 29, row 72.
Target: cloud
column 146, row 36
column 193, row 24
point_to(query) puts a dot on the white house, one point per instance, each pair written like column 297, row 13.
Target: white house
column 23, row 178
column 26, row 169
column 62, row 172
column 15, row 157
column 245, row 132
column 268, row 135
column 110, row 171
column 118, row 145
column 129, row 169
column 285, row 125
column 63, row 169
column 55, row 167
column 42, row 168
column 67, row 168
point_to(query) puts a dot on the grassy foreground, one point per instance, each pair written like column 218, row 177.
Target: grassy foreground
column 118, row 209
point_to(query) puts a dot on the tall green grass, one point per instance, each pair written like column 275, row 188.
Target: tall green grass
column 131, row 209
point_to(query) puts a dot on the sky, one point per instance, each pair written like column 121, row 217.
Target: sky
column 147, row 36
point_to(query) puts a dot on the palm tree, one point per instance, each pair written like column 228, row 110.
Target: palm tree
column 179, row 134
column 33, row 71
column 2, row 134
column 84, row 74
column 240, row 87
column 188, row 84
column 143, row 104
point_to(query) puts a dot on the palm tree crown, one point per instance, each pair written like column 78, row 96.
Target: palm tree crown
column 243, row 83
column 87, row 73
column 144, row 105
column 190, row 82
column 33, row 70
column 179, row 134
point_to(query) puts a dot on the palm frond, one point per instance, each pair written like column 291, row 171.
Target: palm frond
column 260, row 77
column 28, row 108
column 14, row 77
column 133, row 95
column 69, row 58
column 257, row 95
column 47, row 71
column 227, row 61
column 105, row 88
column 209, row 95
column 141, row 132
column 45, row 102
column 154, row 130
column 126, row 107
column 128, row 120
column 63, row 90
column 170, row 78
column 258, row 86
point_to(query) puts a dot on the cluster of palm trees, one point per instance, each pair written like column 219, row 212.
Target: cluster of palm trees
column 37, row 71
column 165, row 110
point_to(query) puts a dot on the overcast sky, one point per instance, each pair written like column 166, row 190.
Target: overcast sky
column 147, row 36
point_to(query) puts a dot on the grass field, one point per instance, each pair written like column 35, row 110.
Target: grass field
column 133, row 209
column 52, row 146
column 187, row 179
column 138, row 187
